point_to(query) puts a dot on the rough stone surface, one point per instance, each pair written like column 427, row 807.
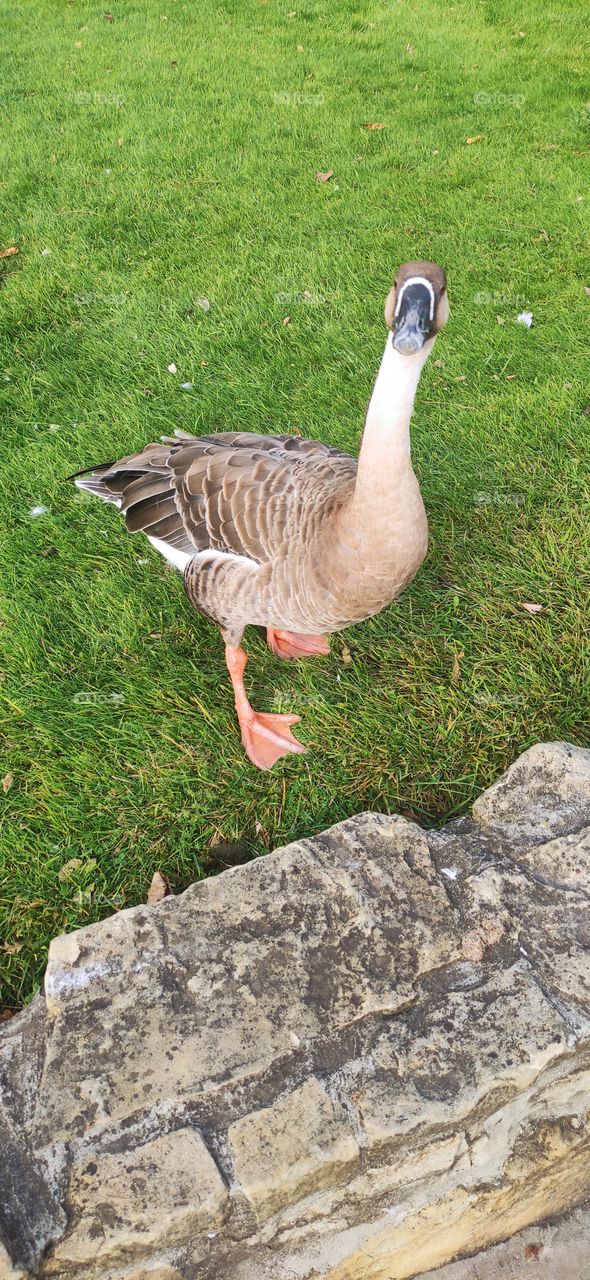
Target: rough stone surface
column 270, row 1171
column 551, row 1251
column 355, row 1059
column 7, row 1271
column 116, row 1201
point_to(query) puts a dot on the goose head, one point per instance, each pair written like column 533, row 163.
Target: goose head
column 417, row 306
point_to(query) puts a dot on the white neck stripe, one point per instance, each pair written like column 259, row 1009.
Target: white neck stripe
column 416, row 280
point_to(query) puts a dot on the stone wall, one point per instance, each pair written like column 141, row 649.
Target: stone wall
column 353, row 1059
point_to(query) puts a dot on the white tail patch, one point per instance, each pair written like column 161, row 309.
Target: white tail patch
column 180, row 559
column 89, row 485
column 176, row 557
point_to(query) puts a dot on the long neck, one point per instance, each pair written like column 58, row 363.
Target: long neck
column 385, row 476
column 385, row 447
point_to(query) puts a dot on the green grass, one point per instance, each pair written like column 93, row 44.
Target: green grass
column 211, row 193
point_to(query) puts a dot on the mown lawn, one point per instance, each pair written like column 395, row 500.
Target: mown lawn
column 168, row 156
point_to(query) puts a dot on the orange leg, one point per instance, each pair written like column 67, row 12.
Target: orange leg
column 289, row 644
column 265, row 737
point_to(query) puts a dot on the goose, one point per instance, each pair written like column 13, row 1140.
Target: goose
column 286, row 533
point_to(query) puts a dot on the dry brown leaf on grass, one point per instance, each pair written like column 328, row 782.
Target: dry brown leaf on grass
column 456, row 672
column 12, row 948
column 9, row 253
column 159, row 888
column 7, row 782
column 375, row 126
column 477, row 137
column 345, row 653
column 68, row 867
column 324, row 177
column 533, row 608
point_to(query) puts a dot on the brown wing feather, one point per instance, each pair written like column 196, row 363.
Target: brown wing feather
column 233, row 491
column 238, row 491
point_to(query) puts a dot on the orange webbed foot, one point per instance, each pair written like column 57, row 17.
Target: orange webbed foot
column 266, row 737
column 290, row 644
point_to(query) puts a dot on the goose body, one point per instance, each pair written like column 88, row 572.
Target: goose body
column 286, row 533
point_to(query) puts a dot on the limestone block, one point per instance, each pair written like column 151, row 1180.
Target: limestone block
column 161, row 1193
column 545, row 1176
column 481, row 1048
column 220, row 983
column 356, row 1058
column 546, row 792
column 285, row 1152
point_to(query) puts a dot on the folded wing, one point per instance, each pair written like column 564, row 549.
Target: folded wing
column 234, row 491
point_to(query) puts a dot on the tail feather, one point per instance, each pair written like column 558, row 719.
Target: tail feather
column 92, row 481
column 142, row 487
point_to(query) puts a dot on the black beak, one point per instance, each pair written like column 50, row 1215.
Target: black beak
column 414, row 316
